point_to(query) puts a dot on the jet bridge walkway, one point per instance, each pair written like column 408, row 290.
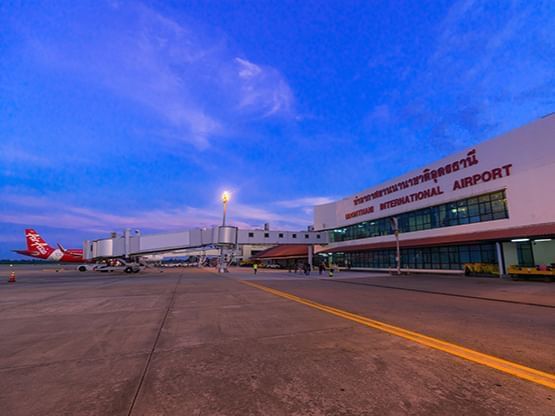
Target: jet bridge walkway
column 133, row 243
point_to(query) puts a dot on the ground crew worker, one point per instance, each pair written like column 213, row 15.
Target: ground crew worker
column 255, row 267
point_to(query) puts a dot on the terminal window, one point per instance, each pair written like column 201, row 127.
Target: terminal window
column 446, row 257
column 525, row 254
column 488, row 207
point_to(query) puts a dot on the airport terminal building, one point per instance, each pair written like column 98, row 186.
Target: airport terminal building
column 493, row 203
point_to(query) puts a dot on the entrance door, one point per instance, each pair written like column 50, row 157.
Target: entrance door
column 525, row 254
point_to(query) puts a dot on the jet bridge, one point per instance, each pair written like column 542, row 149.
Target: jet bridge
column 133, row 243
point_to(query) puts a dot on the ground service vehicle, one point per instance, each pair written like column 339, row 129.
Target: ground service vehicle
column 112, row 265
column 547, row 272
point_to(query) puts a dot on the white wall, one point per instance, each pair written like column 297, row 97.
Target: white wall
column 274, row 237
column 529, row 188
column 159, row 241
column 509, row 254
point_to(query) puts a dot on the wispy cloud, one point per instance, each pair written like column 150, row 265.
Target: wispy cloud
column 471, row 85
column 309, row 201
column 187, row 76
column 11, row 154
column 45, row 211
column 263, row 89
column 259, row 215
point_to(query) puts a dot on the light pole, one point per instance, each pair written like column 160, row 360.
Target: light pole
column 225, row 199
column 395, row 225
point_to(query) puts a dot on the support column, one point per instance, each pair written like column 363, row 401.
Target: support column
column 310, row 255
column 500, row 259
column 126, row 242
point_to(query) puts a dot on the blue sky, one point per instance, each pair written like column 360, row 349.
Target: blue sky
column 116, row 114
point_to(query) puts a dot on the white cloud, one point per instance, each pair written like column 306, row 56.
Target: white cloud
column 307, row 202
column 47, row 211
column 247, row 69
column 257, row 216
column 192, row 81
column 11, row 154
column 263, row 90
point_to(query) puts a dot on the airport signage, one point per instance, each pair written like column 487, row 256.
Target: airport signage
column 428, row 176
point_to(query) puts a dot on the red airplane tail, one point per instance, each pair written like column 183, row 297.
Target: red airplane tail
column 35, row 244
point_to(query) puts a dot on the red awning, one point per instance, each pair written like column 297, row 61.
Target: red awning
column 285, row 251
column 529, row 231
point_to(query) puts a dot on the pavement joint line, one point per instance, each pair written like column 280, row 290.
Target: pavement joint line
column 75, row 360
column 433, row 292
column 151, row 353
column 514, row 369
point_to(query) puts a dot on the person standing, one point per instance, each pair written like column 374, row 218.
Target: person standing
column 255, row 267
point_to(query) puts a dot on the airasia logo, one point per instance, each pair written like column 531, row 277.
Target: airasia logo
column 37, row 244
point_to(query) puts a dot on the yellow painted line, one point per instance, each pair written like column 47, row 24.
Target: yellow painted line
column 514, row 369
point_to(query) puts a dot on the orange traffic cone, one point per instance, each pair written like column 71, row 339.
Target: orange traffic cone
column 12, row 278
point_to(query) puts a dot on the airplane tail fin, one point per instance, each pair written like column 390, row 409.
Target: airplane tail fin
column 36, row 244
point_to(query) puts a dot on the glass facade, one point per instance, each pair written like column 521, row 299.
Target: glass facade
column 446, row 257
column 525, row 254
column 487, row 207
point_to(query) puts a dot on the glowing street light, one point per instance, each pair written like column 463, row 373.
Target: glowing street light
column 225, row 199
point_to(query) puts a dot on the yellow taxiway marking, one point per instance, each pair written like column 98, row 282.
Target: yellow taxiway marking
column 514, row 369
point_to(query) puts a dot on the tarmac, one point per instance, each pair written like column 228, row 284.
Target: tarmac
column 192, row 342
